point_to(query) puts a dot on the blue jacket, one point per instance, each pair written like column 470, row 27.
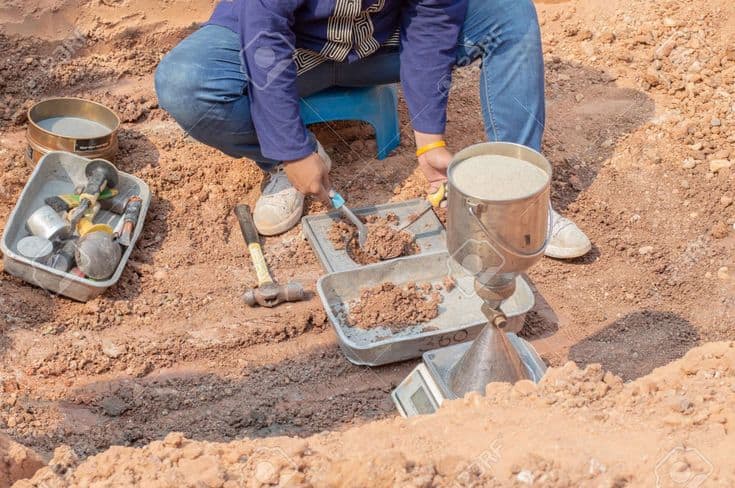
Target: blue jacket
column 281, row 38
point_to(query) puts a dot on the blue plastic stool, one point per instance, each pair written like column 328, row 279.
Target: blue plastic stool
column 376, row 105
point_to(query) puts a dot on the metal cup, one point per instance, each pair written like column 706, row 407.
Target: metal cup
column 46, row 223
column 35, row 248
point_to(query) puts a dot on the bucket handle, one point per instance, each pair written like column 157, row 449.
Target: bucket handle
column 472, row 208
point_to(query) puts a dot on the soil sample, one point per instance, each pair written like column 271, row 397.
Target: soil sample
column 395, row 307
column 383, row 242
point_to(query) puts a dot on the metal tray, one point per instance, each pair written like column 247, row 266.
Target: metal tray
column 56, row 173
column 428, row 230
column 459, row 319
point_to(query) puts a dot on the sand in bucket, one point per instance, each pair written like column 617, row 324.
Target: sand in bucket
column 496, row 178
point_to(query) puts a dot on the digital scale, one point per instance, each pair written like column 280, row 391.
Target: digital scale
column 429, row 384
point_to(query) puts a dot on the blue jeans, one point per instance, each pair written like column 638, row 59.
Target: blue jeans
column 202, row 85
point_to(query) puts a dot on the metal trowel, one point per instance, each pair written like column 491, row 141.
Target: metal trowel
column 339, row 203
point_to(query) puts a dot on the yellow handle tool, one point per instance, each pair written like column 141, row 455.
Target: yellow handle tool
column 247, row 226
column 261, row 267
column 86, row 226
column 436, row 198
column 432, row 201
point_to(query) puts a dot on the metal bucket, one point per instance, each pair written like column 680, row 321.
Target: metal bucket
column 497, row 239
column 75, row 125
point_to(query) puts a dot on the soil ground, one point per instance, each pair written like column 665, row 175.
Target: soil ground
column 641, row 109
column 577, row 428
column 16, row 462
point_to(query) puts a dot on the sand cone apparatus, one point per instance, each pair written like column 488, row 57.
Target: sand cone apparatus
column 498, row 225
column 490, row 358
column 504, row 227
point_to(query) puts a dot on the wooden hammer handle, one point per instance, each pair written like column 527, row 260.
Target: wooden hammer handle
column 247, row 226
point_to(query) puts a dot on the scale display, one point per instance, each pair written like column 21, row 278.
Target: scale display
column 421, row 401
column 418, row 394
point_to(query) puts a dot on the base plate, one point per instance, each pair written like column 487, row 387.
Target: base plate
column 426, row 388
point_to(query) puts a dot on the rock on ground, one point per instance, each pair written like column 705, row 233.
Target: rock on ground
column 16, row 462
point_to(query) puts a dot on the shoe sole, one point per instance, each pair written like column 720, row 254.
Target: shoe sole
column 567, row 252
column 284, row 226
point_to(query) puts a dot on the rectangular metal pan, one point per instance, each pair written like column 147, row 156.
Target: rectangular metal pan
column 428, row 230
column 57, row 173
column 459, row 319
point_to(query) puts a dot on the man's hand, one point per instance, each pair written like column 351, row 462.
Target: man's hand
column 310, row 176
column 433, row 163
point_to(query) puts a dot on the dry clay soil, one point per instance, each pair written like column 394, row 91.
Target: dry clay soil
column 640, row 133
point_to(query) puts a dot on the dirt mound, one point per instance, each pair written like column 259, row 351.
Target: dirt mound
column 395, row 307
column 384, row 241
column 16, row 461
column 578, row 427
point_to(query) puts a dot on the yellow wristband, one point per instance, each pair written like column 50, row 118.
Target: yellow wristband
column 428, row 147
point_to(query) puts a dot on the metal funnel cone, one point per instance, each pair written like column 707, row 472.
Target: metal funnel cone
column 490, row 358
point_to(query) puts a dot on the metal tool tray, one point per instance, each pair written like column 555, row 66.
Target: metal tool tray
column 57, row 173
column 428, row 230
column 459, row 319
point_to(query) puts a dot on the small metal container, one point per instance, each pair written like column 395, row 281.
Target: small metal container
column 35, row 248
column 47, row 223
column 80, row 126
column 63, row 258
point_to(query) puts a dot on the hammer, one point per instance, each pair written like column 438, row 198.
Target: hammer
column 268, row 293
column 101, row 175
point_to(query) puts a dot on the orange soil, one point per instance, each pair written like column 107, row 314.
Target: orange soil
column 640, row 135
column 577, row 428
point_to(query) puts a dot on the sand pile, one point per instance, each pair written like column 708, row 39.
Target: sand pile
column 393, row 306
column 383, row 242
column 16, row 462
column 578, row 427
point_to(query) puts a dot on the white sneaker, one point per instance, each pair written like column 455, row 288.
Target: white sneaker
column 280, row 205
column 567, row 240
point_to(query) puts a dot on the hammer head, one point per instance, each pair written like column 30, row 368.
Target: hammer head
column 270, row 295
column 104, row 170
